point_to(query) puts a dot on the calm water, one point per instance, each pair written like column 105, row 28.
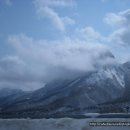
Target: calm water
column 60, row 124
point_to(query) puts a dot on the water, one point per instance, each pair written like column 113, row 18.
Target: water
column 60, row 124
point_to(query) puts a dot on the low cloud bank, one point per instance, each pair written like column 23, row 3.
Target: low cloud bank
column 37, row 62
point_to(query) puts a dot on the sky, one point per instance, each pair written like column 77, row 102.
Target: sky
column 41, row 40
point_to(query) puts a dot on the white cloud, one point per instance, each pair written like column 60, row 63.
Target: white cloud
column 121, row 36
column 115, row 20
column 37, row 61
column 104, row 1
column 121, row 23
column 58, row 22
column 8, row 2
column 68, row 20
column 54, row 17
column 89, row 34
column 41, row 3
column 45, row 8
column 118, row 1
column 57, row 53
column 14, row 73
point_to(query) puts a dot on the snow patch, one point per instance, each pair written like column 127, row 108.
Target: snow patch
column 105, row 74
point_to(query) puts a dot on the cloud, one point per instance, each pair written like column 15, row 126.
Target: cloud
column 45, row 9
column 58, row 22
column 121, row 36
column 35, row 62
column 14, row 74
column 8, row 2
column 118, row 1
column 41, row 3
column 115, row 20
column 89, row 34
column 121, row 24
column 104, row 1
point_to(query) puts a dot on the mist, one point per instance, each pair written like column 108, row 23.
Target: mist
column 33, row 63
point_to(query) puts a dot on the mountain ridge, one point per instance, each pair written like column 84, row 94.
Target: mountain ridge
column 65, row 97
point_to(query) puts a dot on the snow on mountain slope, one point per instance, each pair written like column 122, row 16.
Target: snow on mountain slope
column 107, row 73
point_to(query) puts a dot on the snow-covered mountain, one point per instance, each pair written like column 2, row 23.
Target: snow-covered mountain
column 126, row 67
column 76, row 96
